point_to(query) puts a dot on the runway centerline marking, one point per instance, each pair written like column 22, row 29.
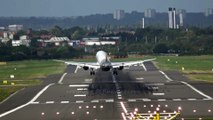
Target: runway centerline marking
column 62, row 78
column 167, row 77
column 196, row 90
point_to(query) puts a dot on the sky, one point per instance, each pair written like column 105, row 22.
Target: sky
column 60, row 8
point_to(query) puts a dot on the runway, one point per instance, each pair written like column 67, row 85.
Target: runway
column 79, row 96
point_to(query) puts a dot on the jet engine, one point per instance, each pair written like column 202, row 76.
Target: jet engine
column 85, row 68
column 121, row 68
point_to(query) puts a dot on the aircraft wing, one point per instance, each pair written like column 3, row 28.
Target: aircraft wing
column 130, row 63
column 91, row 65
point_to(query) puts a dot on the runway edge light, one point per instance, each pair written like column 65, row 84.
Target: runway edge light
column 4, row 82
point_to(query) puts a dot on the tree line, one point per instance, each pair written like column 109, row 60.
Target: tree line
column 151, row 40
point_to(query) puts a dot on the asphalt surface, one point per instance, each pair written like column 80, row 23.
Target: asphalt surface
column 79, row 96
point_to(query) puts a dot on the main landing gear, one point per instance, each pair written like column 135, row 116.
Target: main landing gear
column 92, row 72
column 115, row 72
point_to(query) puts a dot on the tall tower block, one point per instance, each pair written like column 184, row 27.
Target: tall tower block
column 170, row 12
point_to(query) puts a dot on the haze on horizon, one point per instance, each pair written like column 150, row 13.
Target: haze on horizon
column 58, row 8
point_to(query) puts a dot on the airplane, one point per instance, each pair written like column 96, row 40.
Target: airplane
column 104, row 63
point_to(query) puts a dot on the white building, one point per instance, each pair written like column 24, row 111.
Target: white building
column 150, row 13
column 172, row 18
column 74, row 42
column 57, row 41
column 2, row 28
column 208, row 12
column 119, row 14
column 23, row 40
column 98, row 43
column 181, row 13
column 16, row 43
column 91, row 38
column 111, row 38
column 15, row 27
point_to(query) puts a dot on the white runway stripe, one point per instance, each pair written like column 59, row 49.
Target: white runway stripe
column 76, row 70
column 146, row 99
column 109, row 100
column 24, row 105
column 62, row 78
column 158, row 94
column 196, row 90
column 79, row 101
column 191, row 99
column 50, row 102
column 64, row 102
column 83, row 85
column 161, row 99
column 34, row 102
column 79, row 95
column 176, row 99
column 95, row 101
column 82, row 89
column 144, row 67
column 168, row 78
column 131, row 100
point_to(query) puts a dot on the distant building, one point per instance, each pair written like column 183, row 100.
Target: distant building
column 6, row 36
column 74, row 43
column 208, row 12
column 23, row 40
column 111, row 38
column 91, row 38
column 181, row 13
column 118, row 14
column 150, row 13
column 98, row 43
column 15, row 27
column 2, row 28
column 59, row 40
column 170, row 14
column 55, row 41
column 16, row 43
column 172, row 18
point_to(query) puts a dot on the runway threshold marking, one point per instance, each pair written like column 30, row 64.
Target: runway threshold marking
column 28, row 103
column 196, row 90
column 62, row 78
column 167, row 77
